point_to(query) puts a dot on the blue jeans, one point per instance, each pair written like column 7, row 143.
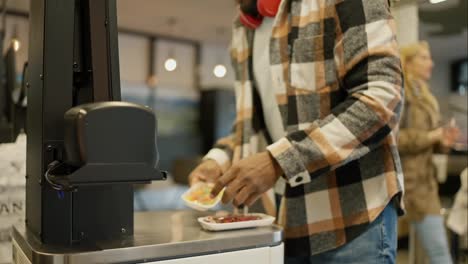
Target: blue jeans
column 377, row 245
column 431, row 234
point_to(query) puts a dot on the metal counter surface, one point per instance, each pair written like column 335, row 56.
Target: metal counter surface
column 157, row 236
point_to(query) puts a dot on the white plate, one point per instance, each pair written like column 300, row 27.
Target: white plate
column 199, row 206
column 265, row 221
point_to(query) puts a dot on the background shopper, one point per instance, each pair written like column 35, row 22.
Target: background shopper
column 420, row 135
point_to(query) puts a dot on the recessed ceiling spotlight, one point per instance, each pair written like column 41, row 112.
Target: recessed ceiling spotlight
column 219, row 71
column 16, row 44
column 436, row 1
column 170, row 64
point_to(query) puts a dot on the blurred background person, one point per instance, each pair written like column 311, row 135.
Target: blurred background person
column 421, row 135
column 457, row 220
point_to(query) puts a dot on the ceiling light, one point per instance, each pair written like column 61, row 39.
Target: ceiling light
column 170, row 64
column 436, row 1
column 219, row 71
column 16, row 44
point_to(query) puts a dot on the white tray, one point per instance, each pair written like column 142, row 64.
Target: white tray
column 265, row 221
column 199, row 206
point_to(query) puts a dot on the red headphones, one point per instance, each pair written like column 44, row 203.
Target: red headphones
column 266, row 8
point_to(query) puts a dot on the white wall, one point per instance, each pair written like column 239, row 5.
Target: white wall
column 183, row 77
column 22, row 26
column 134, row 58
column 407, row 21
column 445, row 50
column 213, row 54
column 440, row 81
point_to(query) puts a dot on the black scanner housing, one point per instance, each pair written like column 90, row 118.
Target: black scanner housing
column 113, row 139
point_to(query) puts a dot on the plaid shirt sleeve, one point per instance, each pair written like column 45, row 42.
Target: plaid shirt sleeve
column 368, row 65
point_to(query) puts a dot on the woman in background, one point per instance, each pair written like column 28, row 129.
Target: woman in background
column 420, row 134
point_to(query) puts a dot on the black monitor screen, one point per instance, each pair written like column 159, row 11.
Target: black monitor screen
column 460, row 76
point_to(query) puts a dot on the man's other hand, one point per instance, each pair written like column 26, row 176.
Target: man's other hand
column 207, row 171
column 248, row 179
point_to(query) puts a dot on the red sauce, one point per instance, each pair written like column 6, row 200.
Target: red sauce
column 232, row 218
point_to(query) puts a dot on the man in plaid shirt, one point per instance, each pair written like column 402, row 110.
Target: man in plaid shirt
column 318, row 100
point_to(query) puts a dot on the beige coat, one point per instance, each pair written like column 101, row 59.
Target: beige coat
column 459, row 213
column 416, row 150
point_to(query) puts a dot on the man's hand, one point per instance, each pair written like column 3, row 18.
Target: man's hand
column 207, row 171
column 246, row 181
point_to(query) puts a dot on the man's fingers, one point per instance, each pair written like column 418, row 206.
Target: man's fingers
column 223, row 181
column 196, row 177
column 252, row 199
column 242, row 196
column 232, row 189
column 201, row 176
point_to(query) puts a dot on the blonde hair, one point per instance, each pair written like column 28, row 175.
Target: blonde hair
column 412, row 83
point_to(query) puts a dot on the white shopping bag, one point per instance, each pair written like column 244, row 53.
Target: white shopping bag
column 12, row 192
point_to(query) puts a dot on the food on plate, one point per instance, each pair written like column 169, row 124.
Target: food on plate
column 235, row 221
column 232, row 218
column 201, row 195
